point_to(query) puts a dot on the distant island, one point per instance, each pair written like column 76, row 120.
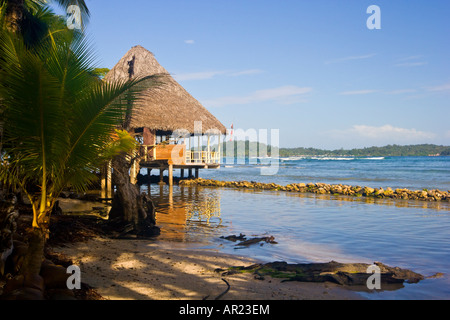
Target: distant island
column 259, row 149
column 386, row 151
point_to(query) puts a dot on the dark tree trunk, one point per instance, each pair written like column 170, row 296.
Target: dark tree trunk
column 132, row 213
column 14, row 15
column 8, row 226
column 35, row 255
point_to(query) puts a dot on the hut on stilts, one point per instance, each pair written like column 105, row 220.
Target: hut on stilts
column 174, row 129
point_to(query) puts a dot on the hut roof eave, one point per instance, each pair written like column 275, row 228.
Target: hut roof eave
column 167, row 107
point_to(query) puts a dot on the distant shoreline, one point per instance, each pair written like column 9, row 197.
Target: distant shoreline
column 420, row 150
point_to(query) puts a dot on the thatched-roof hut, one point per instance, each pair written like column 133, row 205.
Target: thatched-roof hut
column 163, row 110
column 166, row 108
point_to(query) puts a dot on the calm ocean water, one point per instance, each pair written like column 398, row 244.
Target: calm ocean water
column 321, row 228
column 415, row 173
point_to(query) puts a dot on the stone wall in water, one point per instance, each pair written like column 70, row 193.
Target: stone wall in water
column 324, row 188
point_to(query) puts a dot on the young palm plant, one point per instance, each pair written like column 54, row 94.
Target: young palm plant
column 59, row 122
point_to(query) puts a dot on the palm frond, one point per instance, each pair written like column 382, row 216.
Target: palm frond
column 59, row 120
column 84, row 10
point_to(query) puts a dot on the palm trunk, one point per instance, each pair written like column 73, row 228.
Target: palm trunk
column 8, row 226
column 14, row 15
column 131, row 212
column 35, row 255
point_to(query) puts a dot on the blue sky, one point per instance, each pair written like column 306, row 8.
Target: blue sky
column 311, row 69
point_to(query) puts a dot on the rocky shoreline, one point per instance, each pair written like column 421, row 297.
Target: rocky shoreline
column 434, row 195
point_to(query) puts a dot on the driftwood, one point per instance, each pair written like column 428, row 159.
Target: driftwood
column 349, row 274
column 244, row 242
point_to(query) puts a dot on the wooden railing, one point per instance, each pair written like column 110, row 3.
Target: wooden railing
column 202, row 157
column 177, row 154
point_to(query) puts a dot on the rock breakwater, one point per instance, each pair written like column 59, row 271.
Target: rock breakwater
column 324, row 188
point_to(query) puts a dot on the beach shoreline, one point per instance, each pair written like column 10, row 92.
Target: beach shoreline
column 163, row 270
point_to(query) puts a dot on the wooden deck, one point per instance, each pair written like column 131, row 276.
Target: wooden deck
column 170, row 157
column 164, row 157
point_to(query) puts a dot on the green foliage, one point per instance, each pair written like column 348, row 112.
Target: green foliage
column 245, row 149
column 386, row 151
column 58, row 120
column 100, row 72
column 249, row 149
column 33, row 19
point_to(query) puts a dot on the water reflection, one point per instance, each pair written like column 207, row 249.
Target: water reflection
column 313, row 228
column 185, row 213
column 398, row 203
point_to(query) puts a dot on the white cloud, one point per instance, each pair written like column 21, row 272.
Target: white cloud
column 441, row 88
column 411, row 61
column 382, row 135
column 401, row 91
column 357, row 92
column 211, row 74
column 389, row 131
column 411, row 58
column 197, row 75
column 411, row 64
column 350, row 58
column 189, row 41
column 246, row 72
column 285, row 95
column 447, row 134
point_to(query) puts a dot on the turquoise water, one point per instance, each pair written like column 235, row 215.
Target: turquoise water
column 321, row 228
column 415, row 173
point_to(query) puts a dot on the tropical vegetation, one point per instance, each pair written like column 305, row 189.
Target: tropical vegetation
column 59, row 122
column 250, row 148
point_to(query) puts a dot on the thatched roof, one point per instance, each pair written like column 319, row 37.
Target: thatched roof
column 164, row 108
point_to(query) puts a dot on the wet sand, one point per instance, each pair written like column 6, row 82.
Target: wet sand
column 163, row 270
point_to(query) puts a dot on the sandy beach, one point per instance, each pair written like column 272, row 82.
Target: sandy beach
column 145, row 270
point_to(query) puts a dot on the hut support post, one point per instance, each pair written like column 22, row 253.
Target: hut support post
column 208, row 154
column 182, row 173
column 200, row 153
column 190, row 173
column 196, row 173
column 220, row 148
column 170, row 174
column 161, row 175
column 103, row 182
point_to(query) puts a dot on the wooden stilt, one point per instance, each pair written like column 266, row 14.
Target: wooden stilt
column 190, row 173
column 196, row 173
column 219, row 148
column 208, row 149
column 161, row 175
column 103, row 182
column 171, row 196
column 182, row 173
column 170, row 174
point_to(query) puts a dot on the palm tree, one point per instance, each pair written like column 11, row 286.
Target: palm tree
column 59, row 123
column 19, row 12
